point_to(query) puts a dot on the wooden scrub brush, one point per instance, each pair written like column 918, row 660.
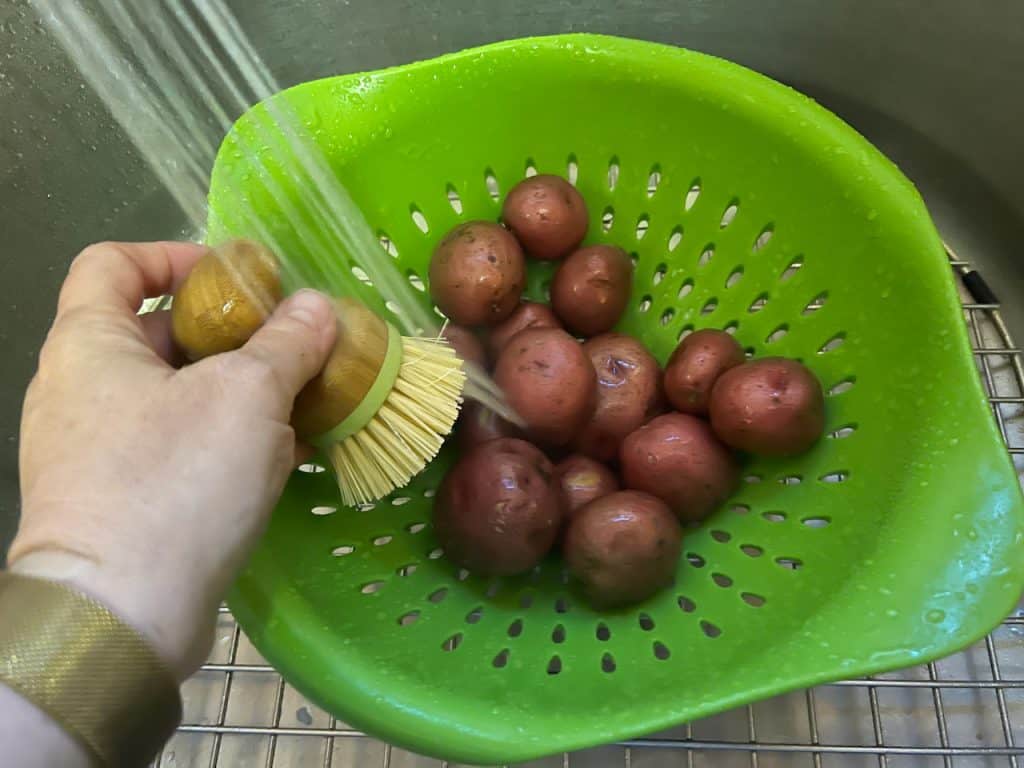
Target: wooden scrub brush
column 382, row 405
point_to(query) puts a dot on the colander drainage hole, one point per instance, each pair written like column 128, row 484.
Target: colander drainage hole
column 501, row 659
column 685, row 289
column 525, row 600
column 343, row 550
column 435, row 553
column 792, row 268
column 558, row 634
column 415, row 527
column 415, row 281
column 371, row 587
column 561, row 605
column 613, row 173
column 666, row 316
column 653, row 180
column 731, row 327
column 646, row 622
column 753, row 600
column 419, row 219
column 758, row 303
column 452, row 642
column 692, row 195
column 462, row 574
column 602, row 632
column 659, row 273
column 729, row 214
column 843, row 432
column 675, row 238
column 734, row 277
column 572, row 170
column 791, row 480
column 493, row 588
column 491, row 182
column 774, row 517
column 408, row 618
column 312, row 469
column 710, row 306
column 839, row 476
column 407, row 570
column 428, row 493
column 832, row 344
column 360, row 274
column 323, row 510
column 709, row 629
column 387, row 244
column 752, row 479
column 706, row 255
column 438, row 595
column 751, row 550
column 695, row 560
column 453, row 199
column 607, row 218
column 721, row 580
column 721, row 536
column 515, row 629
column 842, row 386
column 380, row 541
column 608, row 663
column 645, row 303
column 642, row 225
column 685, row 331
column 531, row 168
column 789, row 563
column 763, row 238
column 661, row 651
column 816, row 522
column 777, row 335
column 474, row 616
column 554, row 666
column 815, row 304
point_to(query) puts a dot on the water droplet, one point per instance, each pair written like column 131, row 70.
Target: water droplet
column 935, row 615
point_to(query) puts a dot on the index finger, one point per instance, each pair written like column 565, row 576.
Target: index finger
column 121, row 275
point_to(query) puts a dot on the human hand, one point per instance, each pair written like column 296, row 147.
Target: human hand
column 143, row 485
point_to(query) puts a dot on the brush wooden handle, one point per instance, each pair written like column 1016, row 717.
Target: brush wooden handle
column 226, row 297
column 350, row 372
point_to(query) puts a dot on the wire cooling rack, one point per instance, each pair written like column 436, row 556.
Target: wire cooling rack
column 965, row 710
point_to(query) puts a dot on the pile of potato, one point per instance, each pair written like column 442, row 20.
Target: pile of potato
column 617, row 456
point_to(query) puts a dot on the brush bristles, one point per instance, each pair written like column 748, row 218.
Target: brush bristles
column 409, row 428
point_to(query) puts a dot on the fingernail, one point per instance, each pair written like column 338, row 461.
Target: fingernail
column 309, row 308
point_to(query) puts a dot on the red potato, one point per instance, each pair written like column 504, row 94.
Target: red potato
column 496, row 511
column 466, row 344
column 695, row 366
column 628, row 393
column 549, row 381
column 529, row 314
column 477, row 274
column 677, row 458
column 547, row 215
column 771, row 407
column 579, row 480
column 623, row 547
column 479, row 424
column 591, row 289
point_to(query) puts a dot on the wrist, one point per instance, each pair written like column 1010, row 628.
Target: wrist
column 176, row 626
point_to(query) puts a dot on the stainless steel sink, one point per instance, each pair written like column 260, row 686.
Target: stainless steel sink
column 939, row 86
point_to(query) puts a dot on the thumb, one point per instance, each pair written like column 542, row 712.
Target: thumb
column 292, row 345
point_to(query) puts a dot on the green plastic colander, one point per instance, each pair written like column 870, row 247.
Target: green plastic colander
column 898, row 539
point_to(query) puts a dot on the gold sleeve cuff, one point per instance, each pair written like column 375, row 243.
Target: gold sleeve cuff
column 87, row 669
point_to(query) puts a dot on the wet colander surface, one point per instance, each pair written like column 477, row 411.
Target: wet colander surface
column 749, row 208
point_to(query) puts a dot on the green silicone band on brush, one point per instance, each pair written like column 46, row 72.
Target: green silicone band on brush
column 374, row 398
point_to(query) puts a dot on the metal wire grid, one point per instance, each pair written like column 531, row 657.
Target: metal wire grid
column 966, row 710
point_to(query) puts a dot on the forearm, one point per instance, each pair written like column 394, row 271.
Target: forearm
column 29, row 738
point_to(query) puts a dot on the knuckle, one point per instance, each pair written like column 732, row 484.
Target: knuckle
column 252, row 372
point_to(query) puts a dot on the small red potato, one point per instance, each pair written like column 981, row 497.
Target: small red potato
column 579, row 480
column 623, row 548
column 496, row 511
column 477, row 274
column 771, row 407
column 695, row 366
column 547, row 215
column 591, row 289
column 677, row 458
column 529, row 314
